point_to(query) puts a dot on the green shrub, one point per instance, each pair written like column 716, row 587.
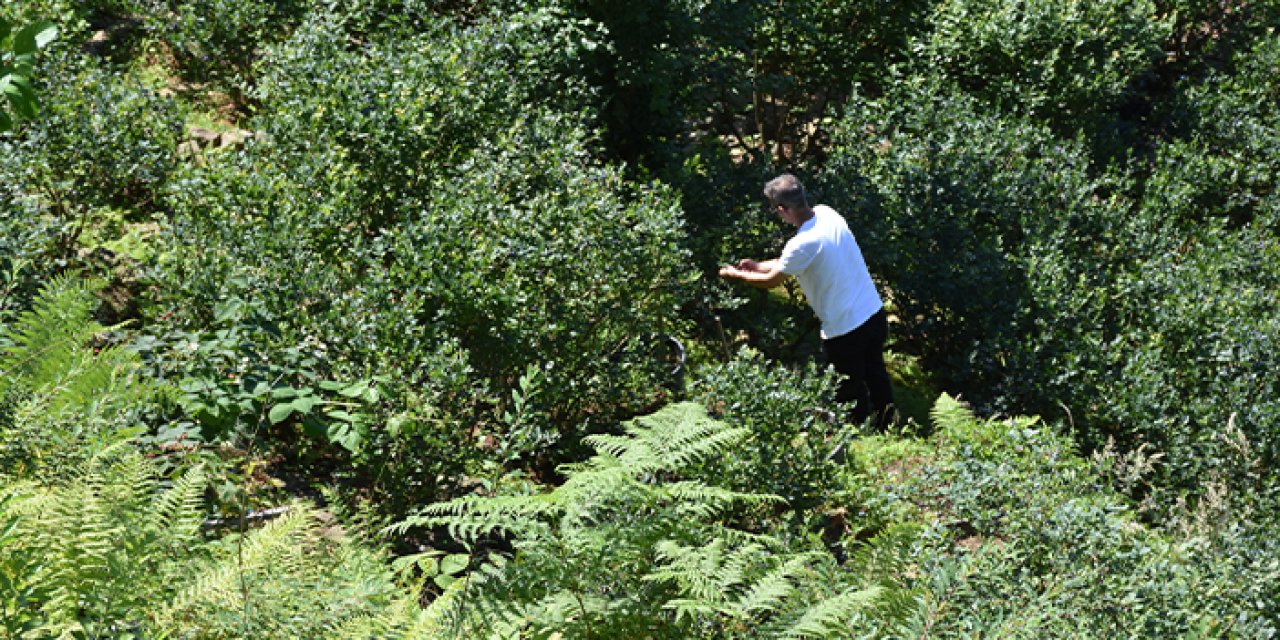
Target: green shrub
column 562, row 264
column 444, row 236
column 1032, row 541
column 216, row 41
column 1132, row 301
column 27, row 240
column 1061, row 61
column 1192, row 359
column 544, row 274
column 247, row 254
column 401, row 110
column 113, row 139
column 793, row 433
column 1177, row 330
column 950, row 204
column 102, row 141
column 1224, row 166
column 742, row 75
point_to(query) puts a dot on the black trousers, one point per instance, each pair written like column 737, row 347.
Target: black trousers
column 859, row 357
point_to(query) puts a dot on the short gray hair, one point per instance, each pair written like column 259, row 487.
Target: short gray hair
column 787, row 191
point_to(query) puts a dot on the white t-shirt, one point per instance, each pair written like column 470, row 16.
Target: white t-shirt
column 826, row 260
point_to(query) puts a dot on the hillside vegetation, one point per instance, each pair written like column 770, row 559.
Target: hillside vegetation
column 400, row 319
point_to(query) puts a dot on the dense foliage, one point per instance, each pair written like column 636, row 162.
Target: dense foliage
column 586, row 566
column 1033, row 279
column 398, row 318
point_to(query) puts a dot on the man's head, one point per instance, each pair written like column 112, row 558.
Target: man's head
column 786, row 196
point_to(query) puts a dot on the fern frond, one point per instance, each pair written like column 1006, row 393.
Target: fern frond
column 131, row 488
column 405, row 619
column 532, row 505
column 690, row 492
column 65, row 395
column 949, row 414
column 34, row 498
column 179, row 512
column 80, row 536
column 470, row 518
column 667, row 440
column 95, row 385
column 743, row 583
column 704, row 572
column 218, row 584
column 613, row 446
column 767, row 594
column 890, row 552
column 585, row 551
column 830, row 618
column 113, row 448
column 45, row 340
column 598, row 477
column 442, row 611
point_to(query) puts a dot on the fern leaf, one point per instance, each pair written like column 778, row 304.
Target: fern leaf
column 667, row 440
column 44, row 340
column 698, row 571
column 680, row 434
column 767, row 594
column 218, row 584
column 405, row 619
column 949, row 414
column 830, row 618
column 890, row 552
column 471, row 517
column 179, row 512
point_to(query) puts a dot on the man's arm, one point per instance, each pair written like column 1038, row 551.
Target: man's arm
column 747, row 264
column 764, row 275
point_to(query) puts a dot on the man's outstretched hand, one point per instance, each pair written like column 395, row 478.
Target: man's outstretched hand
column 745, row 265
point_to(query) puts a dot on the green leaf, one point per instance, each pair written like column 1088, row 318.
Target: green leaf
column 34, row 36
column 339, row 414
column 444, row 580
column 356, row 390
column 304, row 404
column 395, row 424
column 18, row 90
column 315, row 428
column 280, row 412
column 343, row 434
column 425, row 562
column 454, row 563
column 196, row 386
column 22, row 66
column 281, row 393
column 228, row 310
column 46, row 32
column 8, row 531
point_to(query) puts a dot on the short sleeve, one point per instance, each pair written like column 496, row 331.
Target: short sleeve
column 797, row 255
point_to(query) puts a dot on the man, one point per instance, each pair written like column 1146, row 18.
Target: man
column 825, row 258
